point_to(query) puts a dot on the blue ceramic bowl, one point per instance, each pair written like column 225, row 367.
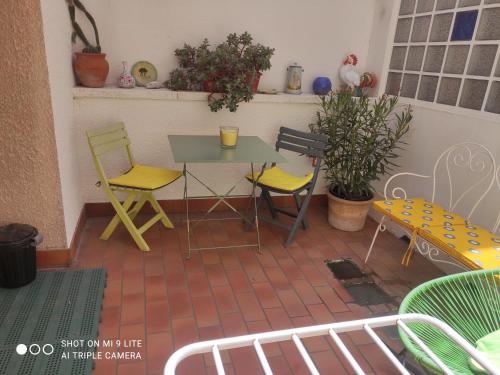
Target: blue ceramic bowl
column 322, row 85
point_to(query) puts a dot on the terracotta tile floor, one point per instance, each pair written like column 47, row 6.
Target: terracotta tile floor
column 167, row 301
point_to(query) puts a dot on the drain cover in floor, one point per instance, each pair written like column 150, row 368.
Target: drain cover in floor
column 368, row 293
column 344, row 269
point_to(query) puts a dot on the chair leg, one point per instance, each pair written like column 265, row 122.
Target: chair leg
column 259, row 200
column 110, row 228
column 269, row 201
column 126, row 220
column 299, row 218
column 299, row 205
column 379, row 228
column 156, row 206
column 138, row 206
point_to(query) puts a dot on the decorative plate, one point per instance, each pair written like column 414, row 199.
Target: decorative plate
column 144, row 72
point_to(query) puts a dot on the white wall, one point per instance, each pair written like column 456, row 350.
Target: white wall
column 57, row 32
column 149, row 122
column 381, row 32
column 316, row 34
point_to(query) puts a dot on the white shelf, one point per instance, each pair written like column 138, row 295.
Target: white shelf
column 165, row 94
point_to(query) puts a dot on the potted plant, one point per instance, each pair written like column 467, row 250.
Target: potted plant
column 90, row 65
column 363, row 140
column 193, row 68
column 230, row 72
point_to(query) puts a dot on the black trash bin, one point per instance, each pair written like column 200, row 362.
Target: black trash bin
column 18, row 244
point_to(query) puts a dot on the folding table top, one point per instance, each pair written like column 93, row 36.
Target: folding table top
column 207, row 149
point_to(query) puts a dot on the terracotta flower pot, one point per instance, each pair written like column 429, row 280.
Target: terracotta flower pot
column 91, row 69
column 208, row 85
column 254, row 84
column 346, row 215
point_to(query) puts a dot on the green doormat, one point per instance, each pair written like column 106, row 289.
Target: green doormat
column 50, row 326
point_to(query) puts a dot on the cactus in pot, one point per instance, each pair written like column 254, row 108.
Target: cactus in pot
column 90, row 65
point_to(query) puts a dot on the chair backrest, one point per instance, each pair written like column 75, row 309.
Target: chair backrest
column 309, row 144
column 467, row 171
column 108, row 139
column 467, row 301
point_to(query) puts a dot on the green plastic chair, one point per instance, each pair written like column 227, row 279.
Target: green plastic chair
column 469, row 302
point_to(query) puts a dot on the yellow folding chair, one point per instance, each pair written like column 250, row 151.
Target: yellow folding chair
column 139, row 182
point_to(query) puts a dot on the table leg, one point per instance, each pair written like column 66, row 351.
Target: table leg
column 256, row 208
column 221, row 199
column 186, row 198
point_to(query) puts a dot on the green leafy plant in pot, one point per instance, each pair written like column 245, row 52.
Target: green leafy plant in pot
column 90, row 65
column 364, row 137
column 230, row 72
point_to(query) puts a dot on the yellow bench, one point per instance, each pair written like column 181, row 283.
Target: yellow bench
column 432, row 227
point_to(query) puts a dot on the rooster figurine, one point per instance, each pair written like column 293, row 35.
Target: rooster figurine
column 347, row 73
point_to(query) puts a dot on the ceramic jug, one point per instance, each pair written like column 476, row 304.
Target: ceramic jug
column 294, row 79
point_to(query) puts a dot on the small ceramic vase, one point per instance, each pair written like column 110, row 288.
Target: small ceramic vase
column 126, row 81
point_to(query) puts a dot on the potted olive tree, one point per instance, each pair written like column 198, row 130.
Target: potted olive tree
column 230, row 72
column 363, row 140
column 90, row 65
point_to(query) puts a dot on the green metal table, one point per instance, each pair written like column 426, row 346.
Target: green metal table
column 189, row 149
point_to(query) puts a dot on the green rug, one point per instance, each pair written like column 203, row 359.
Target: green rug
column 46, row 316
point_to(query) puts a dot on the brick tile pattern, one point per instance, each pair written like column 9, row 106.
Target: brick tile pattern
column 168, row 301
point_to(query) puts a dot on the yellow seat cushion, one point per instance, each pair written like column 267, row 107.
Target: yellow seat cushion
column 474, row 246
column 417, row 213
column 144, row 177
column 277, row 178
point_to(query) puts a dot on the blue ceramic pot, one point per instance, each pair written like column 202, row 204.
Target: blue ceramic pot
column 322, row 85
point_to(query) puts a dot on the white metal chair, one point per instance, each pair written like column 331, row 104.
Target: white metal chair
column 296, row 334
column 466, row 173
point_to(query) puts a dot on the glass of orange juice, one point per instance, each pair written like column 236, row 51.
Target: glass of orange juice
column 228, row 136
